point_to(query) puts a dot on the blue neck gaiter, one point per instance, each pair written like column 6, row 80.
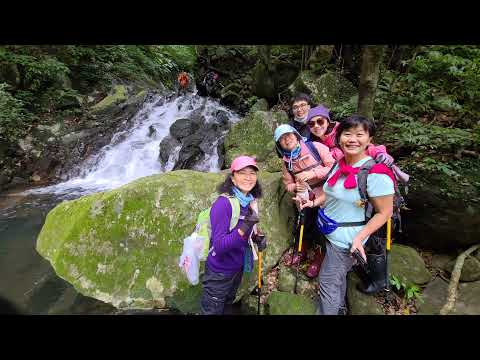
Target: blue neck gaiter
column 244, row 199
column 292, row 155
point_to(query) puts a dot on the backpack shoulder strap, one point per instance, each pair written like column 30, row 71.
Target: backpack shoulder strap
column 313, row 150
column 362, row 177
column 235, row 204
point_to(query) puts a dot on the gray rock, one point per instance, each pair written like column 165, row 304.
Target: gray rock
column 470, row 269
column 407, row 265
column 167, row 146
column 440, row 261
column 358, row 302
column 435, row 295
column 183, row 128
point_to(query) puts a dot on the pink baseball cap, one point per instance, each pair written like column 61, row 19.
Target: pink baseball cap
column 241, row 162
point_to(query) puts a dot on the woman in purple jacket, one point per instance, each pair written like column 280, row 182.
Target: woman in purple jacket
column 231, row 253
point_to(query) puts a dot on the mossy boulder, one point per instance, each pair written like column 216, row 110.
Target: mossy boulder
column 282, row 303
column 470, row 269
column 122, row 246
column 260, row 105
column 118, row 95
column 406, row 264
column 329, row 89
column 305, row 286
column 358, row 302
column 253, row 135
column 249, row 305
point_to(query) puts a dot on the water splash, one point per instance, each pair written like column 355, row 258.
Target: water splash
column 134, row 153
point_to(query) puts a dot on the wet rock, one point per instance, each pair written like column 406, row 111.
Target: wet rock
column 282, row 303
column 358, row 302
column 183, row 128
column 407, row 265
column 167, row 147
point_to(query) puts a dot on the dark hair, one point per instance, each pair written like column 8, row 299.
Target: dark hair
column 227, row 187
column 354, row 121
column 301, row 97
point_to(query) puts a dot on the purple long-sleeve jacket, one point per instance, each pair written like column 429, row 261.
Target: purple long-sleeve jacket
column 228, row 246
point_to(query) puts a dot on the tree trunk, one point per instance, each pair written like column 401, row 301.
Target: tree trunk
column 264, row 52
column 371, row 58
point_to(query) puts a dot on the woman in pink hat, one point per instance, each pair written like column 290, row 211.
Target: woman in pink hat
column 232, row 218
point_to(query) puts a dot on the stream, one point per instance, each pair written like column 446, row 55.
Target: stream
column 28, row 280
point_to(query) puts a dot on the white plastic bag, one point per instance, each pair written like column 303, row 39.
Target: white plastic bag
column 190, row 258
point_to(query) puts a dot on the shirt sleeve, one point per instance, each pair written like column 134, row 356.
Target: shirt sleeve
column 288, row 179
column 327, row 159
column 379, row 185
column 223, row 239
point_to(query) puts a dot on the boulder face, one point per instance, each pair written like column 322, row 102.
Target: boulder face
column 253, row 135
column 435, row 296
column 408, row 266
column 282, row 303
column 123, row 246
column 329, row 89
column 358, row 302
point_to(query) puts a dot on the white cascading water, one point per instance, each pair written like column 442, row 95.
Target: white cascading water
column 133, row 154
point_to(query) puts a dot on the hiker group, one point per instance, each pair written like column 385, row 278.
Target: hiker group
column 344, row 191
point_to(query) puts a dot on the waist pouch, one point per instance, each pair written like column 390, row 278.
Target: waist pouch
column 327, row 225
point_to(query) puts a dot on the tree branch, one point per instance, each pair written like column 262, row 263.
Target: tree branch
column 455, row 277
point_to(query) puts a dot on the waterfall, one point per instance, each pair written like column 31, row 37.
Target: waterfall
column 134, row 153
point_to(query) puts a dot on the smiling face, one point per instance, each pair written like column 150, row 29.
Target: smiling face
column 245, row 179
column 318, row 126
column 288, row 141
column 300, row 109
column 354, row 141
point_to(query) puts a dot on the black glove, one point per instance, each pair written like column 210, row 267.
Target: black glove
column 250, row 219
column 260, row 240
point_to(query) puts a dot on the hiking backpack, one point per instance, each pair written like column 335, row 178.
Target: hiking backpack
column 196, row 247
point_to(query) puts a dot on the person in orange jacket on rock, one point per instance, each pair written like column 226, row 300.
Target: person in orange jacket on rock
column 183, row 81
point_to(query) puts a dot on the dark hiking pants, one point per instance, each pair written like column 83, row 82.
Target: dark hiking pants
column 333, row 279
column 219, row 292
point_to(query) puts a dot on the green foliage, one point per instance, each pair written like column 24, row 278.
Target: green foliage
column 409, row 292
column 439, row 78
column 12, row 115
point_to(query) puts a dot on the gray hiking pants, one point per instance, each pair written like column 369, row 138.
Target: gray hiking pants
column 333, row 279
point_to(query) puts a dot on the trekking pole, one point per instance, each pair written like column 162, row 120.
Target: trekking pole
column 302, row 221
column 389, row 241
column 259, row 280
column 295, row 224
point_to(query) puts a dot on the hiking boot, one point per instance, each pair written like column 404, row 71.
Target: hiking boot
column 377, row 281
column 314, row 268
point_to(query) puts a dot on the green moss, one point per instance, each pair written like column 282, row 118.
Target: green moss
column 281, row 303
column 122, row 246
column 119, row 95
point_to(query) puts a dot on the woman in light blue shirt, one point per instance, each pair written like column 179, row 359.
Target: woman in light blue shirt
column 341, row 203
